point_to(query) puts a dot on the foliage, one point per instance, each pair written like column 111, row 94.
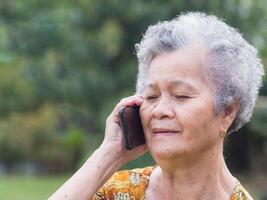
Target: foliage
column 258, row 125
column 45, row 137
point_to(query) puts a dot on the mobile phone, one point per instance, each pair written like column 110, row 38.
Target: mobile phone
column 131, row 125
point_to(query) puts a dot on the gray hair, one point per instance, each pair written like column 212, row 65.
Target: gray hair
column 235, row 70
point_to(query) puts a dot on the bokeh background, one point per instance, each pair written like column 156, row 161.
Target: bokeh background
column 63, row 66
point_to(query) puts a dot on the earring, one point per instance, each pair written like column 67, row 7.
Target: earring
column 223, row 134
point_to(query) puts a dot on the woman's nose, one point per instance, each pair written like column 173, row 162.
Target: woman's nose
column 163, row 109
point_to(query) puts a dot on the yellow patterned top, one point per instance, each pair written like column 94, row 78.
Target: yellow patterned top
column 131, row 185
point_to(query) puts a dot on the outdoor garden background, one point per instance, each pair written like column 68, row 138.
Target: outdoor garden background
column 64, row 65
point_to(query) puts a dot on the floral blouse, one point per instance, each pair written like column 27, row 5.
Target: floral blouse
column 131, row 185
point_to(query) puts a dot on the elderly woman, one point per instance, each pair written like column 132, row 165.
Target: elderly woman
column 198, row 81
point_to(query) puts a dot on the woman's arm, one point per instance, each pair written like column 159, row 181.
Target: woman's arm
column 107, row 159
column 89, row 178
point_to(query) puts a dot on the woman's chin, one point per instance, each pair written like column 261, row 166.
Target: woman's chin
column 166, row 151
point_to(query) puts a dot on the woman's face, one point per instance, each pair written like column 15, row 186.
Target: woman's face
column 177, row 112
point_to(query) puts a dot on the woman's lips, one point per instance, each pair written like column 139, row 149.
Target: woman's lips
column 164, row 132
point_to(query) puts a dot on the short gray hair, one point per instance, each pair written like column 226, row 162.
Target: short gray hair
column 235, row 70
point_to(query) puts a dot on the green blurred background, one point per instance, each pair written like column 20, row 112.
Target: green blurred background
column 64, row 65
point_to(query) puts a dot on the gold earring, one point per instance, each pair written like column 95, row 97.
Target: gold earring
column 223, row 134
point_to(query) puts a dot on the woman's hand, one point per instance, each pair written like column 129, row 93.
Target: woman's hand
column 107, row 159
column 114, row 140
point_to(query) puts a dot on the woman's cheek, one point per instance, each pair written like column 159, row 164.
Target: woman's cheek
column 142, row 112
column 144, row 109
column 145, row 115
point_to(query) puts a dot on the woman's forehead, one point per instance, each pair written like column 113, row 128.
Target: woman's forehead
column 188, row 53
column 179, row 66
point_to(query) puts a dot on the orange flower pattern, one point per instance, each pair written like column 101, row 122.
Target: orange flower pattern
column 131, row 185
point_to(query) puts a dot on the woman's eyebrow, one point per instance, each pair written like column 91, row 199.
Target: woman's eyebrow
column 182, row 84
column 174, row 84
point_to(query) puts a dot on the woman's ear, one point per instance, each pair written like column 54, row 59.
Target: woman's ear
column 229, row 114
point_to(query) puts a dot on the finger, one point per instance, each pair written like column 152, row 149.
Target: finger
column 131, row 101
column 128, row 101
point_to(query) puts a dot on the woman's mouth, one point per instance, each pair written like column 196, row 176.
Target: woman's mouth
column 164, row 131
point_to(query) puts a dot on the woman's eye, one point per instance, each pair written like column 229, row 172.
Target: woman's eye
column 181, row 97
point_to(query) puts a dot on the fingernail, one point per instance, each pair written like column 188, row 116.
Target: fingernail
column 140, row 100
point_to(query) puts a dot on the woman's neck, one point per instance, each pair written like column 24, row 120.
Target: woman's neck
column 202, row 177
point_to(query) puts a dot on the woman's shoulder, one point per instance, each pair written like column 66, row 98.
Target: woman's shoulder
column 240, row 193
column 121, row 175
column 131, row 184
column 126, row 184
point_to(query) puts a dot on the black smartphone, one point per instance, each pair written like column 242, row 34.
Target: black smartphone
column 131, row 125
